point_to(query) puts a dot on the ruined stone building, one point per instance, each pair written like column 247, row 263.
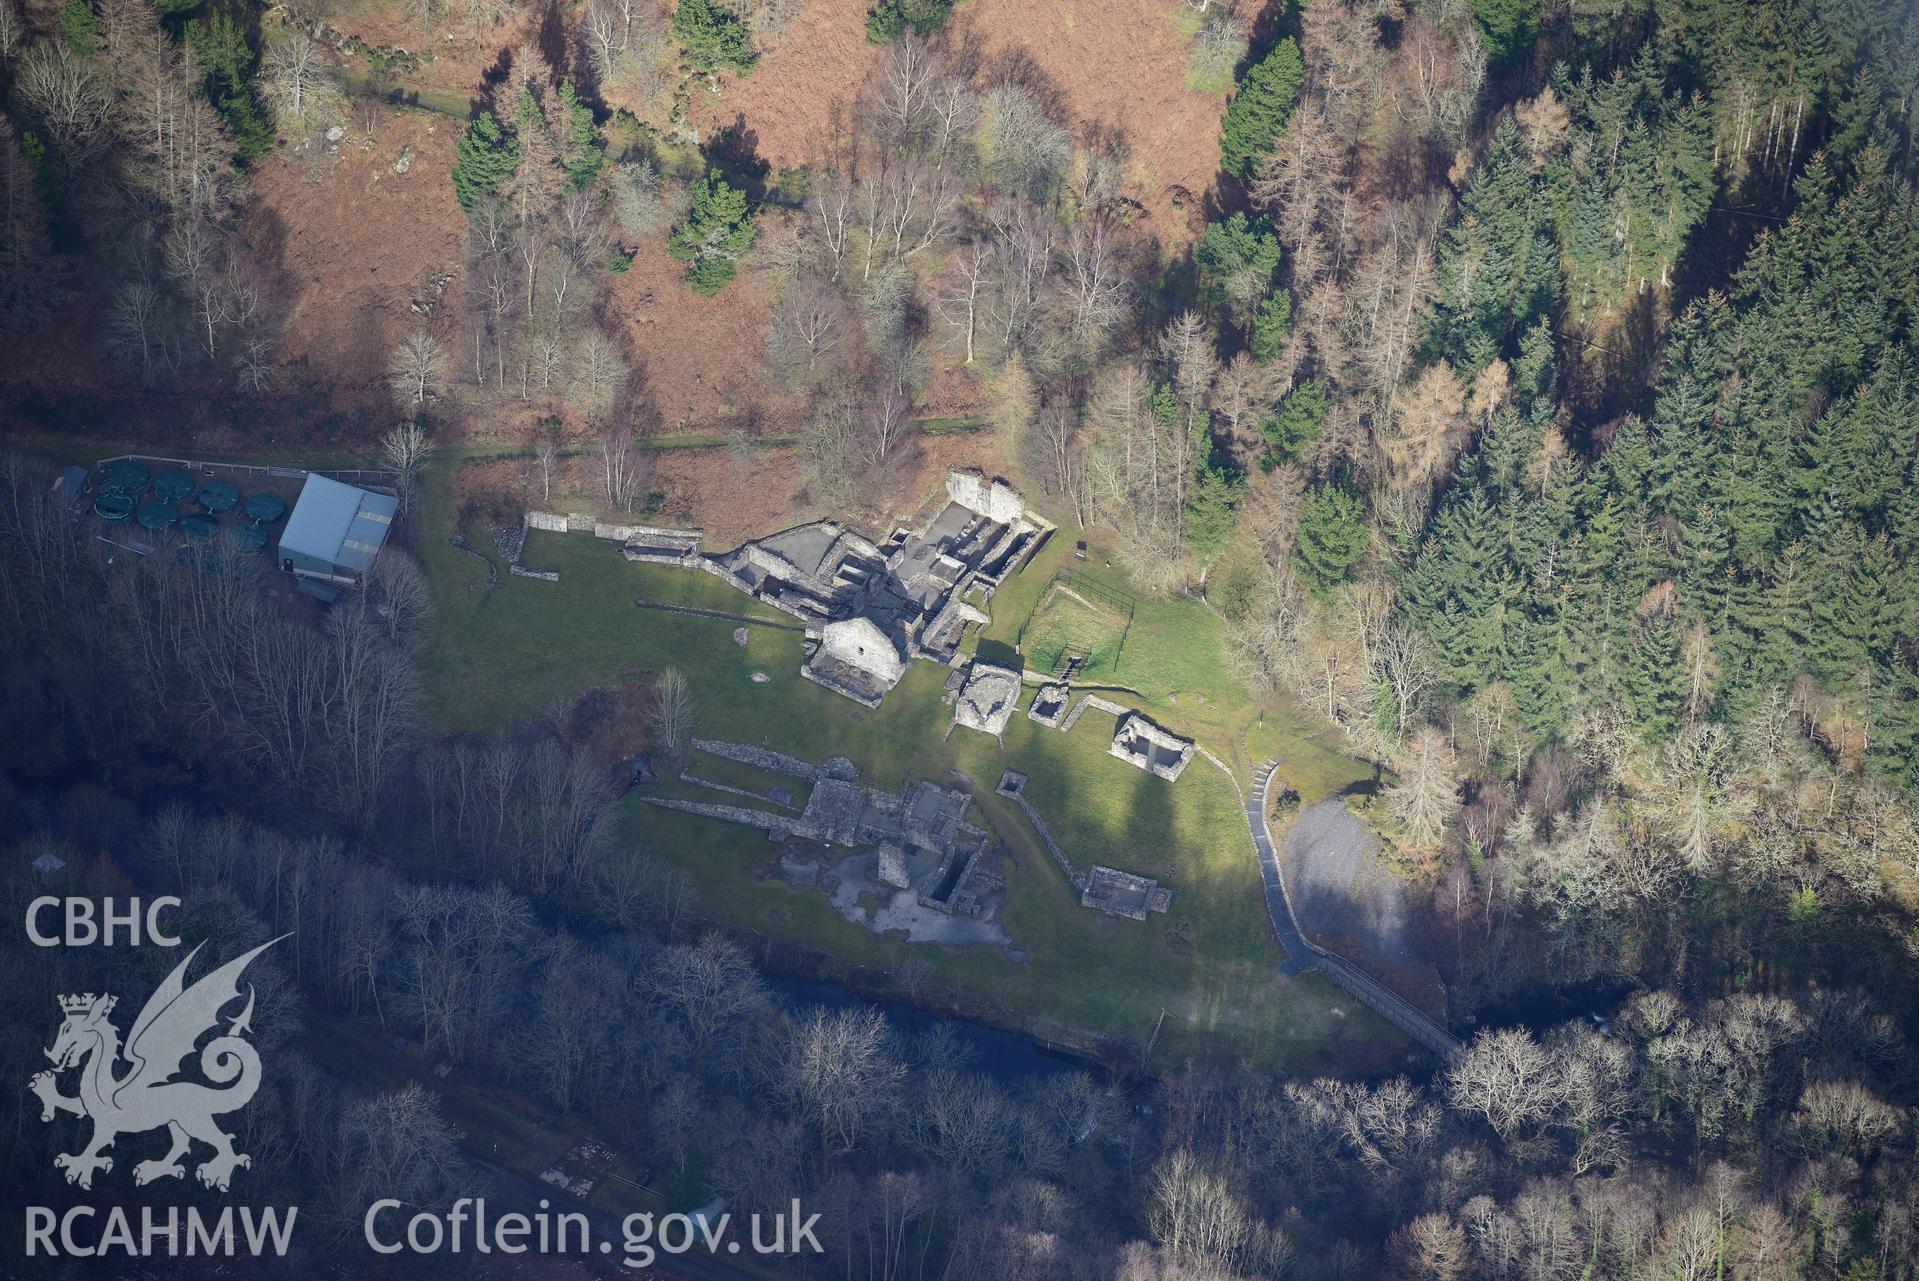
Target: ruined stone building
column 869, row 607
column 988, row 698
column 1138, row 741
column 921, row 832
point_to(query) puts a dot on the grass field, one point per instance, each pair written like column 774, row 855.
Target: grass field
column 1173, row 667
column 500, row 658
column 1074, row 620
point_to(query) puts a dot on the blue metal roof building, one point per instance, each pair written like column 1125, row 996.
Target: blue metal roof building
column 336, row 531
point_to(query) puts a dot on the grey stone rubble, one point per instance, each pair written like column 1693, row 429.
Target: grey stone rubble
column 761, row 758
column 1049, row 705
column 1160, row 752
column 1120, row 893
column 987, row 699
column 892, row 868
column 511, row 545
column 867, row 608
column 940, row 852
column 1136, row 739
column 459, row 541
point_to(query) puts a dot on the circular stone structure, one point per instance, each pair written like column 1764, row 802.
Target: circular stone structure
column 199, row 525
column 127, row 475
column 219, row 496
column 173, row 486
column 157, row 516
column 264, row 509
column 113, row 506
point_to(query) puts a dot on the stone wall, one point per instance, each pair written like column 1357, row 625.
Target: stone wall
column 995, row 499
column 1018, row 797
column 1120, row 893
column 578, row 523
column 1049, row 704
column 652, row 534
column 773, row 825
column 1098, row 704
column 760, row 758
column 1140, row 742
column 687, row 776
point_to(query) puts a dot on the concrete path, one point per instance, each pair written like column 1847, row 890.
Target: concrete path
column 1302, row 954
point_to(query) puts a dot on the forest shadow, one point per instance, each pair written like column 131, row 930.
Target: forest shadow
column 735, row 152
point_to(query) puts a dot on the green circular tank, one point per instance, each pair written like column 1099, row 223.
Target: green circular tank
column 219, row 496
column 199, row 525
column 112, row 505
column 157, row 516
column 173, row 486
column 264, row 509
column 128, row 475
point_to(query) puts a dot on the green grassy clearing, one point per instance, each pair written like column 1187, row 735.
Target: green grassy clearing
column 721, row 769
column 1067, row 624
column 1173, row 665
column 499, row 659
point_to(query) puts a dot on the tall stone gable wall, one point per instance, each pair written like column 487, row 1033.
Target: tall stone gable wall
column 996, row 500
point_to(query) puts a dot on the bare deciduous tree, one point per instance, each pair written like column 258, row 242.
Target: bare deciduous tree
column 599, row 375
column 1100, row 295
column 643, row 199
column 1507, row 1078
column 711, row 987
column 1431, row 1248
column 1404, row 661
column 416, row 368
column 1425, row 797
column 1026, row 152
column 67, row 93
column 1217, row 48
column 673, row 716
column 966, row 283
column 546, row 455
column 1206, row 1226
column 406, row 449
column 13, row 30
column 808, row 327
column 625, row 468
column 300, row 86
column 842, row 1076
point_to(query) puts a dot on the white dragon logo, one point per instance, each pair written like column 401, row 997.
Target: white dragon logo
column 147, row 1097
